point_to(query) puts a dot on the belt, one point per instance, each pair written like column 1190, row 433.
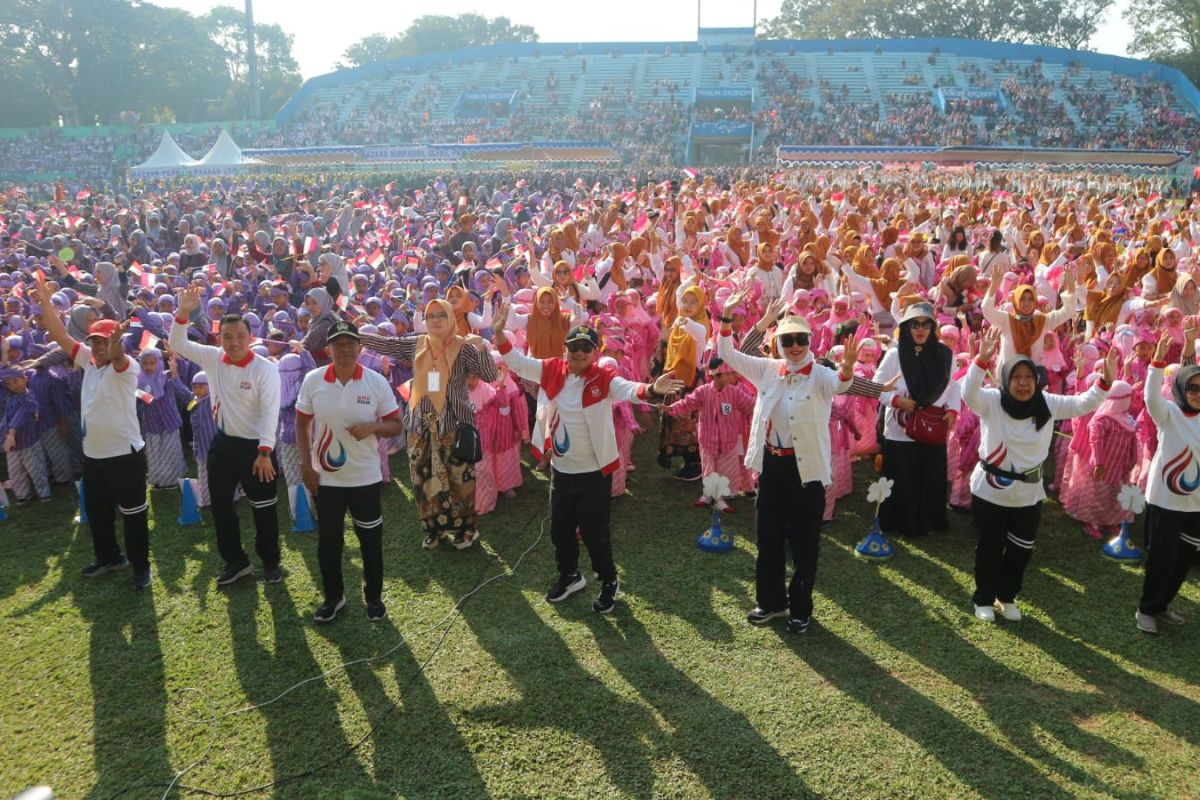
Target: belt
column 1032, row 476
column 781, row 451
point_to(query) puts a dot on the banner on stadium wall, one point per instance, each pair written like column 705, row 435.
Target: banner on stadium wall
column 955, row 169
column 724, row 93
column 411, row 152
column 944, row 93
column 488, row 96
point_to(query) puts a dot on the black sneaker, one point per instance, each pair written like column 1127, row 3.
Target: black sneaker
column 97, row 569
column 760, row 617
column 690, row 472
column 606, row 601
column 272, row 575
column 376, row 610
column 798, row 625
column 234, row 573
column 328, row 611
column 565, row 586
column 141, row 578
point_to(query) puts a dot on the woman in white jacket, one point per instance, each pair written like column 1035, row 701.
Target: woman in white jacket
column 1172, row 489
column 1006, row 485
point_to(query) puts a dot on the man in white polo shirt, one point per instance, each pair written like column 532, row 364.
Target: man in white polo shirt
column 245, row 392
column 341, row 411
column 114, row 463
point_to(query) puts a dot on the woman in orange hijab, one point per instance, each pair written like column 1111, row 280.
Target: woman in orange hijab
column 686, row 341
column 436, row 408
column 665, row 305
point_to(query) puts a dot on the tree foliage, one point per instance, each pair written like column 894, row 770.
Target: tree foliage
column 88, row 60
column 1166, row 30
column 432, row 33
column 1064, row 23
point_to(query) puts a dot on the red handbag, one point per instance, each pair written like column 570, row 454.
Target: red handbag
column 927, row 425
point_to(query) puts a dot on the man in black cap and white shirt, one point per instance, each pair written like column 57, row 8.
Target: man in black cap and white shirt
column 575, row 425
column 347, row 407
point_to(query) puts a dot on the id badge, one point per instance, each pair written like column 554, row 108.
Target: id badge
column 433, row 381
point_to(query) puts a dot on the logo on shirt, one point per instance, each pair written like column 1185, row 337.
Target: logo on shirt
column 364, row 399
column 245, row 385
column 325, row 457
column 996, row 459
column 561, row 446
column 1175, row 473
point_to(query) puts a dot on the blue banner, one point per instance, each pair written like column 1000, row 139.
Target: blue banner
column 724, row 93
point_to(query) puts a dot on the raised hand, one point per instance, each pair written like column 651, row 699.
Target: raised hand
column 500, row 318
column 666, row 384
column 989, row 343
column 1160, row 352
column 189, row 301
column 1110, row 364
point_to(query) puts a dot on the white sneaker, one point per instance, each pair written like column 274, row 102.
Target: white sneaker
column 1009, row 611
column 985, row 613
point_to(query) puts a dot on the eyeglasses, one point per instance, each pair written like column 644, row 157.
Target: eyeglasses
column 562, row 272
column 793, row 340
column 580, row 346
column 1192, row 388
column 437, row 316
column 922, row 325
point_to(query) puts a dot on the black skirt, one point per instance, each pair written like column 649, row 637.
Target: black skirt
column 918, row 501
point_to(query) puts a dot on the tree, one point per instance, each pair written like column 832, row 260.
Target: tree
column 278, row 73
column 1065, row 23
column 1164, row 30
column 432, row 33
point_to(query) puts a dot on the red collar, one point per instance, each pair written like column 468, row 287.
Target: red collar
column 805, row 370
column 331, row 376
column 225, row 359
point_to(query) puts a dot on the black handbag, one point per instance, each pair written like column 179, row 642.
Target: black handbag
column 468, row 446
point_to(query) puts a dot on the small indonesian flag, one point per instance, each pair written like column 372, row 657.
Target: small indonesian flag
column 83, row 194
column 643, row 222
column 145, row 396
column 149, row 341
column 310, row 244
column 215, row 326
column 629, row 197
column 376, row 258
column 690, row 172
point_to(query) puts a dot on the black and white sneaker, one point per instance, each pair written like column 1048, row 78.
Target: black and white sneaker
column 272, row 575
column 760, row 617
column 97, row 569
column 690, row 472
column 431, row 541
column 234, row 573
column 142, row 578
column 376, row 610
column 565, row 586
column 328, row 611
column 606, row 601
column 798, row 625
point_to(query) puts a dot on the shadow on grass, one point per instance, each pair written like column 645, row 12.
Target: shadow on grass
column 720, row 746
column 1022, row 710
column 129, row 695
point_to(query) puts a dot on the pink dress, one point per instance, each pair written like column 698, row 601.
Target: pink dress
column 502, row 450
column 1113, row 443
column 966, row 437
column 866, row 412
column 482, row 399
column 841, row 430
column 724, row 423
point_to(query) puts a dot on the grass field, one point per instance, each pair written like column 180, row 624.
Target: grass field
column 896, row 691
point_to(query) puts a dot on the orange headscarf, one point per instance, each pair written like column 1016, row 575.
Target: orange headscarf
column 462, row 304
column 617, row 274
column 888, row 282
column 546, row 335
column 665, row 303
column 1025, row 330
column 434, row 355
column 681, row 347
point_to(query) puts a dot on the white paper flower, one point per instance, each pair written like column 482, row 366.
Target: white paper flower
column 880, row 490
column 1131, row 499
column 716, row 486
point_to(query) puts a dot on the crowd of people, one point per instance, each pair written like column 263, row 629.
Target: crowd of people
column 767, row 330
column 652, row 131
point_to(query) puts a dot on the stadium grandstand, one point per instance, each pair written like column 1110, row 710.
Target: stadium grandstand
column 725, row 98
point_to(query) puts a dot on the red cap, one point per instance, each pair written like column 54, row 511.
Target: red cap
column 102, row 327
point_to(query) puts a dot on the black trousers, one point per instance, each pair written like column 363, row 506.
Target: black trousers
column 788, row 514
column 1172, row 539
column 1003, row 549
column 111, row 485
column 230, row 464
column 582, row 501
column 365, row 512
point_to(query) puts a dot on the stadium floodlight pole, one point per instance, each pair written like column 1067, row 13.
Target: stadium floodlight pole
column 252, row 63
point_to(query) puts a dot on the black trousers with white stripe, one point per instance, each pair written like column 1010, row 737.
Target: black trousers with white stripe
column 363, row 503
column 1003, row 550
column 112, row 485
column 230, row 463
column 1172, row 539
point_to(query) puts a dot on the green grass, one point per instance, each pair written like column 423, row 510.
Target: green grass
column 895, row 691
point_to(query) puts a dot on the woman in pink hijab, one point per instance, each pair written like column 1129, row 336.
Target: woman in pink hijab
column 1112, row 455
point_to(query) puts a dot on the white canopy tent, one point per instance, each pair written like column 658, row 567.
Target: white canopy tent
column 225, row 153
column 168, row 159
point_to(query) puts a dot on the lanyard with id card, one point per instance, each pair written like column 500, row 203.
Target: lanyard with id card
column 433, row 381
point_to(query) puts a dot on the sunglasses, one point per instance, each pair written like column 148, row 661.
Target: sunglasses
column 793, row 340
column 580, row 347
column 922, row 325
column 562, row 272
column 1192, row 388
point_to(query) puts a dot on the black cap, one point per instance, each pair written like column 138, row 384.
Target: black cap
column 342, row 328
column 583, row 333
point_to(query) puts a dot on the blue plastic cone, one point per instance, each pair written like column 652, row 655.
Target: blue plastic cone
column 303, row 522
column 189, row 512
column 81, row 517
column 1119, row 548
column 716, row 539
column 874, row 546
column 3, row 514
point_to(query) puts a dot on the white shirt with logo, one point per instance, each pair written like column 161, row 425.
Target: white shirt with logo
column 108, row 406
column 339, row 458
